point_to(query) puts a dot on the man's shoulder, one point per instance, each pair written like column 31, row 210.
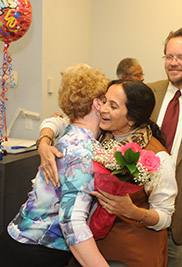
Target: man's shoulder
column 158, row 85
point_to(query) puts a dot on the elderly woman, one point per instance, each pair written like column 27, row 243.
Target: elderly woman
column 53, row 220
column 138, row 236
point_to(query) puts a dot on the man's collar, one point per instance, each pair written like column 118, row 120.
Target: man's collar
column 172, row 88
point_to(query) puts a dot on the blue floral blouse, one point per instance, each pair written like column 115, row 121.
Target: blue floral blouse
column 57, row 217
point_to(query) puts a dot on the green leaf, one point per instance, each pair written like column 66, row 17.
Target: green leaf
column 131, row 167
column 136, row 173
column 136, row 156
column 123, row 179
column 117, row 171
column 119, row 158
column 130, row 156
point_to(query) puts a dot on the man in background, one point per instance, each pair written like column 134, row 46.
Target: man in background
column 130, row 69
column 168, row 115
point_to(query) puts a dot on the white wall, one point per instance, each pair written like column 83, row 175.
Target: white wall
column 96, row 32
column 67, row 40
column 134, row 28
column 26, row 54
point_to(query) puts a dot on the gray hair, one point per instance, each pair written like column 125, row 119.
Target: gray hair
column 125, row 66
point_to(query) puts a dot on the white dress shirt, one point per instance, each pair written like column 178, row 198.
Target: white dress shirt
column 171, row 90
column 162, row 196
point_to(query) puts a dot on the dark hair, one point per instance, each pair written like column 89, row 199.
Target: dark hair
column 171, row 35
column 140, row 104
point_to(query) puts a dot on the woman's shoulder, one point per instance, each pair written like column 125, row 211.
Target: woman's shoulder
column 155, row 145
column 75, row 141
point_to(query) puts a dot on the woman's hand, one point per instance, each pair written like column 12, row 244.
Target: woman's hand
column 118, row 205
column 48, row 163
column 123, row 206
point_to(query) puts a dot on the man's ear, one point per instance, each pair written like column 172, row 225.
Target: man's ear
column 97, row 103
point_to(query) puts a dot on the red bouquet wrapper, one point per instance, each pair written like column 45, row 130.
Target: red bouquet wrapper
column 101, row 221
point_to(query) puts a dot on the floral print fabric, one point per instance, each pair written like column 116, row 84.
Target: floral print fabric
column 56, row 217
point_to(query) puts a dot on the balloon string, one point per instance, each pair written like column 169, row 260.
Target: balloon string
column 5, row 75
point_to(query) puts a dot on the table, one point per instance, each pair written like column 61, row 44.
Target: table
column 16, row 173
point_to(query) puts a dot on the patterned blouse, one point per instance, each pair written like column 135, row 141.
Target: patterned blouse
column 56, row 217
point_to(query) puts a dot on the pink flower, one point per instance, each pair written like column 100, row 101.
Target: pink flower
column 149, row 160
column 135, row 147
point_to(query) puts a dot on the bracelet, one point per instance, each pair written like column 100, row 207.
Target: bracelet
column 42, row 136
column 145, row 216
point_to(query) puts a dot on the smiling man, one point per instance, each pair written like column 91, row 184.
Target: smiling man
column 168, row 92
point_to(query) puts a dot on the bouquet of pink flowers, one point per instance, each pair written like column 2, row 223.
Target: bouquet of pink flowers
column 120, row 170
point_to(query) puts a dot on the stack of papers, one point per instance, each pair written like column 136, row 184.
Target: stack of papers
column 14, row 146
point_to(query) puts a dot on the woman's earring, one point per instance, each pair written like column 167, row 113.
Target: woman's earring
column 130, row 125
column 97, row 113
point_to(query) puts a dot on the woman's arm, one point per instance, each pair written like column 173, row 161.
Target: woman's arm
column 56, row 124
column 75, row 204
column 88, row 254
column 162, row 197
column 51, row 127
column 48, row 154
column 123, row 206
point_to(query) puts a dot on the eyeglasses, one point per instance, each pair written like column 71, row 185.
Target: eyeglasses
column 170, row 58
column 138, row 75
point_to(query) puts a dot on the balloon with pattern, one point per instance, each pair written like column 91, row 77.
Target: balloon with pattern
column 15, row 20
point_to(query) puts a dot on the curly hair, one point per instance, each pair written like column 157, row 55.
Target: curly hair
column 80, row 84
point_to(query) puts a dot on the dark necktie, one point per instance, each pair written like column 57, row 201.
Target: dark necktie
column 170, row 120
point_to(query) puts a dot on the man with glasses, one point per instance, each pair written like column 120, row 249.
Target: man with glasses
column 168, row 111
column 129, row 68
